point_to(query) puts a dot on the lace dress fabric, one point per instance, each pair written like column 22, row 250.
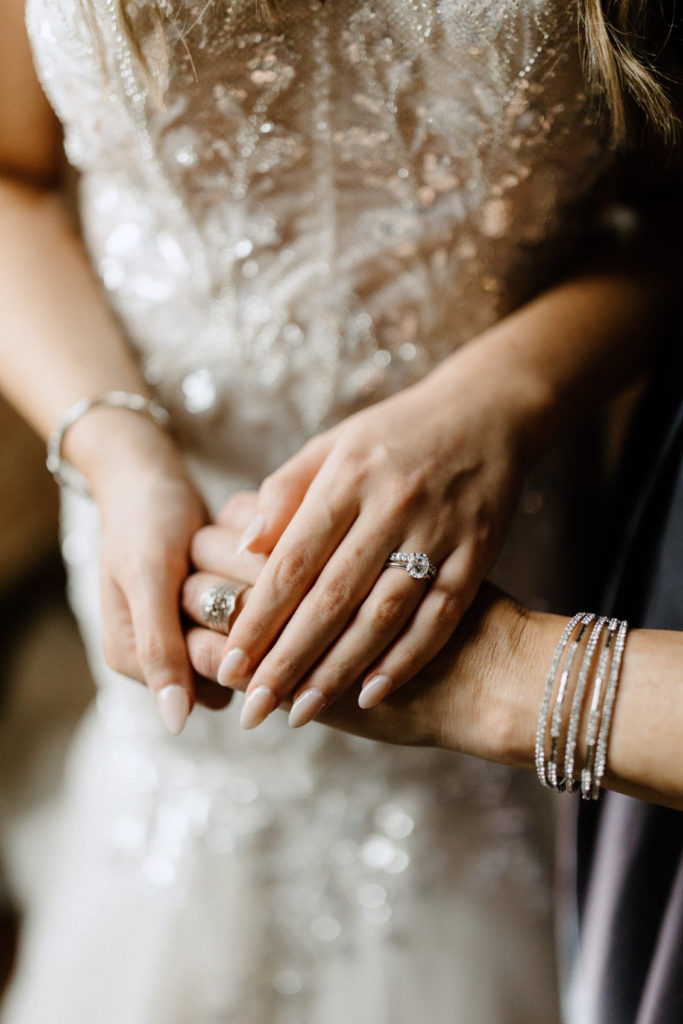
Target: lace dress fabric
column 292, row 220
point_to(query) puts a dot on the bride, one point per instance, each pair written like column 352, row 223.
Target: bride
column 294, row 220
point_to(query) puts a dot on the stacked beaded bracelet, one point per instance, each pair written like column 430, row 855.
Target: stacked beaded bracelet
column 63, row 472
column 598, row 675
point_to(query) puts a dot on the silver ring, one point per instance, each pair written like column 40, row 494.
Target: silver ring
column 415, row 563
column 218, row 604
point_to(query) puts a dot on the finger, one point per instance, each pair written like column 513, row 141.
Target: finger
column 326, row 611
column 205, row 649
column 380, row 619
column 281, row 494
column 160, row 645
column 304, row 550
column 214, row 549
column 435, row 621
column 194, row 591
column 118, row 636
column 238, row 511
column 122, row 657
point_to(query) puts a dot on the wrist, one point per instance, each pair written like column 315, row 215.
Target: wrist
column 521, row 399
column 496, row 680
column 109, row 444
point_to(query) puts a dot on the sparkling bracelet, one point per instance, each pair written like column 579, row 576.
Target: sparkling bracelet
column 608, row 708
column 598, row 675
column 577, row 705
column 596, row 710
column 542, row 727
column 560, row 784
column 63, row 472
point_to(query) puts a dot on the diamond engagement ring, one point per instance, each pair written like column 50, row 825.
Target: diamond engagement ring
column 415, row 563
column 218, row 604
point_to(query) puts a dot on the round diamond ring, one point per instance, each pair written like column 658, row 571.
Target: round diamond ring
column 416, row 563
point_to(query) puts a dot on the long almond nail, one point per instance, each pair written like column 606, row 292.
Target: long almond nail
column 257, row 706
column 306, row 706
column 254, row 530
column 234, row 665
column 374, row 691
column 174, row 707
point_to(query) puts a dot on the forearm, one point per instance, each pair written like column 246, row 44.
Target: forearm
column 509, row 654
column 573, row 347
column 58, row 340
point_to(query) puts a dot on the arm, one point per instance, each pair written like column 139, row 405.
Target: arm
column 58, row 344
column 481, row 695
column 435, row 469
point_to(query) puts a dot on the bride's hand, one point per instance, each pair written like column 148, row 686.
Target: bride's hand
column 435, row 469
column 149, row 513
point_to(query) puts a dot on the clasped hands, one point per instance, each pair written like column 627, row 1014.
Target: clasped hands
column 324, row 613
column 434, row 469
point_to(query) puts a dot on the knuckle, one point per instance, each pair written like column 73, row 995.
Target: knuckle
column 290, row 571
column 388, row 613
column 409, row 491
column 151, row 652
column 332, row 598
column 449, row 609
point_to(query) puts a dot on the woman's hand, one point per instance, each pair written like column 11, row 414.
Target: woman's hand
column 149, row 513
column 435, row 470
column 480, row 695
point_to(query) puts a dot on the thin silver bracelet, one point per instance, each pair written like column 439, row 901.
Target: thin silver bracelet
column 542, row 726
column 556, row 783
column 595, row 710
column 610, row 696
column 577, row 704
column 63, row 472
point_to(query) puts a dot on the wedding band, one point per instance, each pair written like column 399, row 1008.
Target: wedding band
column 218, row 604
column 415, row 563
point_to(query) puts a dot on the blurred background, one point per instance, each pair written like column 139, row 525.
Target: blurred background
column 44, row 681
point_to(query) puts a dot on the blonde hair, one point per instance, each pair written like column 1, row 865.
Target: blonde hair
column 621, row 40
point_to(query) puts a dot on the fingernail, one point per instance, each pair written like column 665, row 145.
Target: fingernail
column 254, row 530
column 234, row 666
column 174, row 707
column 374, row 691
column 306, row 706
column 257, row 706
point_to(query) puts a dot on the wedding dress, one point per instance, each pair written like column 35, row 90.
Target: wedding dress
column 292, row 220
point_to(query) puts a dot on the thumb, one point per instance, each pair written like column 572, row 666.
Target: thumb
column 281, row 493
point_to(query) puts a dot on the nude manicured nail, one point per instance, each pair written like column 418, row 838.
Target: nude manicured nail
column 254, row 530
column 306, row 706
column 174, row 707
column 234, row 666
column 257, row 706
column 374, row 692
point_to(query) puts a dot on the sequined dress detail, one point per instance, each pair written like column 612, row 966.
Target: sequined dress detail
column 293, row 220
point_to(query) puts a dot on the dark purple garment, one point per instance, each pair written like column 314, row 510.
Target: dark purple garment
column 627, row 882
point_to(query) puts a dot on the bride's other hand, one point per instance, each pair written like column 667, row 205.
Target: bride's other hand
column 149, row 513
column 435, row 469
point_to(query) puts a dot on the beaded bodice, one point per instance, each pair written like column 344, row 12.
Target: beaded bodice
column 295, row 219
